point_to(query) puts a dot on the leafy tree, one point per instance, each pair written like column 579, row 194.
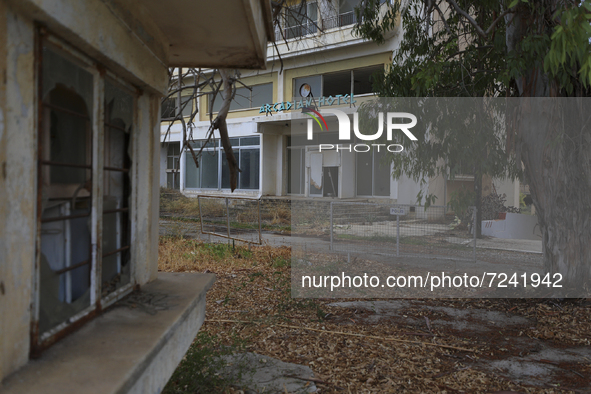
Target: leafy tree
column 515, row 48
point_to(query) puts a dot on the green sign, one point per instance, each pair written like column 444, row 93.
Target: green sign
column 338, row 99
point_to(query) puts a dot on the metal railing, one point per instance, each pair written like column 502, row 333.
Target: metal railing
column 340, row 20
column 234, row 218
column 399, row 230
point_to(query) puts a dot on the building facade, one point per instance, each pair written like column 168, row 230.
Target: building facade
column 323, row 64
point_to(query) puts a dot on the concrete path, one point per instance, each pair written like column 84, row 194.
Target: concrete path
column 254, row 373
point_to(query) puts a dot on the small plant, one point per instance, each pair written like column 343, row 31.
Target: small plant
column 281, row 262
column 202, row 369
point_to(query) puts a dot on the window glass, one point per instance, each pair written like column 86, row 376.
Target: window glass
column 249, row 164
column 241, row 99
column 245, row 98
column 168, row 107
column 226, row 169
column 187, row 106
column 262, row 94
column 363, row 82
column 337, row 83
column 216, row 104
column 66, row 182
column 59, row 70
column 196, row 144
column 381, row 169
column 209, row 170
column 364, row 173
column 347, row 5
column 245, row 141
column 315, row 83
column 192, row 172
column 116, row 239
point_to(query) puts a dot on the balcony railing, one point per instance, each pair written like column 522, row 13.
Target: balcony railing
column 340, row 20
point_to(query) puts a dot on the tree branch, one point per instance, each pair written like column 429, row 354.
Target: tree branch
column 467, row 16
column 220, row 124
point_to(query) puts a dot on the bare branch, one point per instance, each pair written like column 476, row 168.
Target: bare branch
column 502, row 16
column 222, row 126
column 475, row 24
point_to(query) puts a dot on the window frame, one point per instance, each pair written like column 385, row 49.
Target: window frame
column 177, row 107
column 219, row 99
column 374, row 157
column 176, row 164
column 41, row 340
column 306, row 26
column 295, row 87
column 220, row 154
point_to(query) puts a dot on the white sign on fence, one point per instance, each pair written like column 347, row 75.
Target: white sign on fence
column 397, row 211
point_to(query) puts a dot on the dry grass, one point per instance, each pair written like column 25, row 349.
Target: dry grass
column 254, row 287
column 174, row 202
column 185, row 255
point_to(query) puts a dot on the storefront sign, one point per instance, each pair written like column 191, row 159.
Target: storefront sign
column 339, row 99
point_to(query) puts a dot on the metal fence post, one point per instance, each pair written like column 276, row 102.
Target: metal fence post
column 260, row 225
column 331, row 225
column 200, row 213
column 228, row 219
column 397, row 235
column 474, row 230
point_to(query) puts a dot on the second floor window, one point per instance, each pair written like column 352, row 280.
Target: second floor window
column 354, row 82
column 245, row 98
column 170, row 108
column 301, row 20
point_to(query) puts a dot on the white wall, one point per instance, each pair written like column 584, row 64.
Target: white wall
column 510, row 188
column 270, row 166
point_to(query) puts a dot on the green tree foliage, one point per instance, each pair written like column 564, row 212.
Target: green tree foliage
column 467, row 49
column 509, row 48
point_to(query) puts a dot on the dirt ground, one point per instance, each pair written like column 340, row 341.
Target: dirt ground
column 391, row 345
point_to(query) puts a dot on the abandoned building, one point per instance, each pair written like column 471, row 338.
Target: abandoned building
column 321, row 59
column 81, row 84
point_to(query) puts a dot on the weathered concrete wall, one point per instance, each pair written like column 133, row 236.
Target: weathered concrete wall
column 109, row 40
column 17, row 186
column 146, row 175
column 109, row 33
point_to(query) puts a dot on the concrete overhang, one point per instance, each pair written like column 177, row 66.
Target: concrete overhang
column 216, row 34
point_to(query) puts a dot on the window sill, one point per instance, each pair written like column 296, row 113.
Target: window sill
column 124, row 350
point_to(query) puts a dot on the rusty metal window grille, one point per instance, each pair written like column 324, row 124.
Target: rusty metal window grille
column 84, row 191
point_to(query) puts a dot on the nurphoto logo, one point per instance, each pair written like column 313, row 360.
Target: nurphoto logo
column 345, row 129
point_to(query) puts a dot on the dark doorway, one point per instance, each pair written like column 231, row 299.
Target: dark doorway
column 331, row 181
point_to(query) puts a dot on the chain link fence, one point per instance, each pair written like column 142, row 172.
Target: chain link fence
column 399, row 230
column 234, row 218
